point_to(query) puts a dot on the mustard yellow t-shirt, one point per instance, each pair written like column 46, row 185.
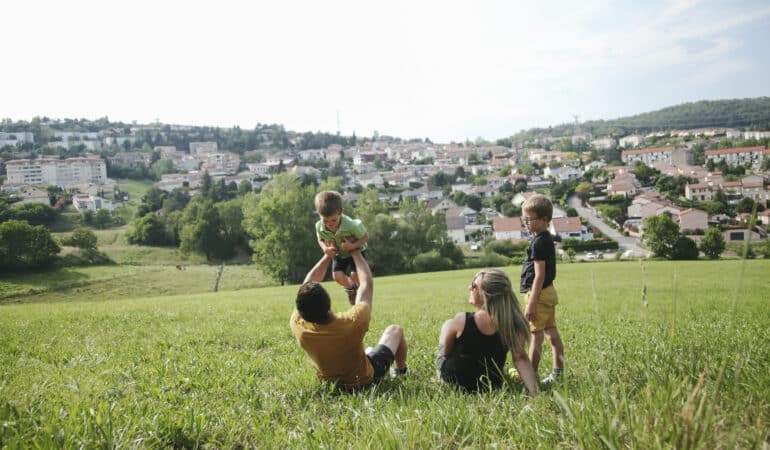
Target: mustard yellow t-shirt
column 337, row 347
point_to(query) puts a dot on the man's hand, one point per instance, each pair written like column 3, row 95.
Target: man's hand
column 330, row 249
column 529, row 313
column 348, row 245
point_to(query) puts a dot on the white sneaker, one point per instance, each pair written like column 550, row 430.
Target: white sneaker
column 551, row 379
column 395, row 373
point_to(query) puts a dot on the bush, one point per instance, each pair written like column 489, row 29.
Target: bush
column 493, row 259
column 431, row 261
column 587, row 246
column 684, row 248
column 506, row 248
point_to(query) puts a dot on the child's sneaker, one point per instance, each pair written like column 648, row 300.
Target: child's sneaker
column 352, row 294
column 551, row 379
column 395, row 372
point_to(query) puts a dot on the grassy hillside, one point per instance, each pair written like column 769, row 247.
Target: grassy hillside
column 102, row 283
column 659, row 354
column 733, row 113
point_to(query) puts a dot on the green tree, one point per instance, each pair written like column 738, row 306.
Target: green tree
column 206, row 185
column 661, row 234
column 745, row 205
column 147, row 230
column 34, row 213
column 473, row 201
column 712, row 244
column 24, row 246
column 102, row 218
column 82, row 238
column 244, row 188
column 583, row 190
column 281, row 223
column 202, row 230
column 684, row 249
column 152, row 201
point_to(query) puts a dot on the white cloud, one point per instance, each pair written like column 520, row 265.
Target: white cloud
column 452, row 68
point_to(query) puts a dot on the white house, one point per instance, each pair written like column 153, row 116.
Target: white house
column 509, row 228
column 83, row 202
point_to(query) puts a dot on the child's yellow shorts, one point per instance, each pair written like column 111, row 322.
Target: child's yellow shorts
column 545, row 309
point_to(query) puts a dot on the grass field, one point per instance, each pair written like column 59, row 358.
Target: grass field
column 116, row 282
column 659, row 355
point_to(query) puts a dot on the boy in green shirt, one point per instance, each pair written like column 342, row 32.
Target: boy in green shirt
column 338, row 235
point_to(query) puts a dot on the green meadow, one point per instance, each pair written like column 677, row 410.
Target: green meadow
column 659, row 354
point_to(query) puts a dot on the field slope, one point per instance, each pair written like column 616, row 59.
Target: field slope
column 659, row 355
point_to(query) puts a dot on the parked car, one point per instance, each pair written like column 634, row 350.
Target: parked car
column 590, row 255
column 630, row 254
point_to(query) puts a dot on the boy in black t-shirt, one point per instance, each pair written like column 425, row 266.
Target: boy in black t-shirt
column 537, row 277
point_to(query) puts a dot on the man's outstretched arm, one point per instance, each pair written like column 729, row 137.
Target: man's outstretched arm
column 318, row 271
column 366, row 285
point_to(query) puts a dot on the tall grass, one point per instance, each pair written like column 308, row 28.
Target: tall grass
column 222, row 370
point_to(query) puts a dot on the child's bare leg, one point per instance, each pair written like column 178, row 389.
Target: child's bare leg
column 534, row 348
column 354, row 279
column 342, row 279
column 557, row 347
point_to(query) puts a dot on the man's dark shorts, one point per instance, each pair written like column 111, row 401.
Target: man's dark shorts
column 343, row 264
column 381, row 358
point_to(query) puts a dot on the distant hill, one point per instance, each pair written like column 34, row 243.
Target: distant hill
column 752, row 113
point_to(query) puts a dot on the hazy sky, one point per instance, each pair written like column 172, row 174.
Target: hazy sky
column 448, row 70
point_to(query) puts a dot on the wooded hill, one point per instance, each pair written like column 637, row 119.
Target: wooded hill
column 748, row 113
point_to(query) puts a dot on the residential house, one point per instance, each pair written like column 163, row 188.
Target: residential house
column 741, row 234
column 224, row 163
column 569, row 228
column 605, row 143
column 693, row 219
column 310, row 155
column 625, row 185
column 521, row 197
column 753, row 187
column 201, row 149
column 562, row 174
column 580, row 137
column 455, row 227
column 26, row 193
column 698, row 192
column 764, row 217
column 83, row 202
column 468, row 214
column 632, row 141
column 509, row 228
column 441, row 205
column 485, row 191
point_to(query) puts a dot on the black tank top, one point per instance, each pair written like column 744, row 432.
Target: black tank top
column 476, row 360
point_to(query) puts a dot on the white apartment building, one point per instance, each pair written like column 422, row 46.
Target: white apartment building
column 16, row 138
column 58, row 172
column 656, row 156
column 604, row 143
column 739, row 156
column 201, row 149
column 632, row 141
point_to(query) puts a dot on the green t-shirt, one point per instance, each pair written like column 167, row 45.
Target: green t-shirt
column 349, row 228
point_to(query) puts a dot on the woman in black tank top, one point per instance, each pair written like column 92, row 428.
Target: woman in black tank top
column 473, row 346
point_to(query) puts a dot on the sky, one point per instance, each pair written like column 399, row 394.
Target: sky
column 445, row 70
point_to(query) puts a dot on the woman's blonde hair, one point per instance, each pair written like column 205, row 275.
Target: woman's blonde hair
column 503, row 307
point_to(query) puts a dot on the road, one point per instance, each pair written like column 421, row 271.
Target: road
column 625, row 242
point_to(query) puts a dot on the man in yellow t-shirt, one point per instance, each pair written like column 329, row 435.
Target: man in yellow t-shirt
column 335, row 342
